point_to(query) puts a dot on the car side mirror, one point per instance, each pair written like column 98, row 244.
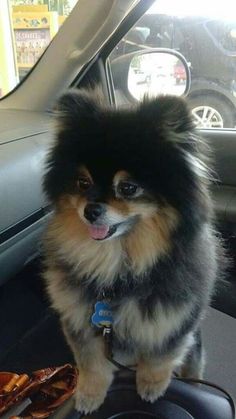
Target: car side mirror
column 151, row 72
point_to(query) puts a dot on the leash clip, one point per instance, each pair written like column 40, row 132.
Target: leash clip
column 107, row 332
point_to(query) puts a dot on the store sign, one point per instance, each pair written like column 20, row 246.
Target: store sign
column 30, row 44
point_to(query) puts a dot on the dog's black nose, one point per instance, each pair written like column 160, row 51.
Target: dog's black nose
column 93, row 211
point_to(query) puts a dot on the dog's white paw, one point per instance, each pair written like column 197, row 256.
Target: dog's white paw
column 88, row 402
column 91, row 391
column 151, row 391
column 152, row 385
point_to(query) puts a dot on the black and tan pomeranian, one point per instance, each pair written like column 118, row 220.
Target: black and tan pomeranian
column 131, row 238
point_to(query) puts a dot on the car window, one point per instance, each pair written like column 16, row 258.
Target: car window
column 26, row 29
column 206, row 36
column 224, row 34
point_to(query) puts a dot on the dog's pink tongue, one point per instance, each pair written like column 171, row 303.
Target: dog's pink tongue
column 98, row 232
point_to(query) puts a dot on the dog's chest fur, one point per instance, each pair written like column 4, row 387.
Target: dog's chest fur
column 130, row 323
column 133, row 325
column 149, row 308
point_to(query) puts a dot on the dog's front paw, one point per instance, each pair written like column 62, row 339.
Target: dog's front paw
column 150, row 391
column 91, row 392
column 88, row 402
column 152, row 384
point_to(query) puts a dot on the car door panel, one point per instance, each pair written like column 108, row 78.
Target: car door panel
column 23, row 210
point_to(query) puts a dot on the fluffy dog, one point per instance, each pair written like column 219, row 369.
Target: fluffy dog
column 131, row 228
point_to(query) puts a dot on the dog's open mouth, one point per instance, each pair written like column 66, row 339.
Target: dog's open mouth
column 101, row 232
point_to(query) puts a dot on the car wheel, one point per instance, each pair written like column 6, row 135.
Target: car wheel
column 211, row 112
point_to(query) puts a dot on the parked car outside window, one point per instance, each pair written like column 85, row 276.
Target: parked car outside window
column 208, row 43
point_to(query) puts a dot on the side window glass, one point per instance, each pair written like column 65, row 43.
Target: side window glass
column 26, row 29
column 205, row 36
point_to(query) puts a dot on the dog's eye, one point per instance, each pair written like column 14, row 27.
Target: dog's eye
column 127, row 189
column 84, row 183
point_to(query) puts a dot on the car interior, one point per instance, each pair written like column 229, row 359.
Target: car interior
column 93, row 47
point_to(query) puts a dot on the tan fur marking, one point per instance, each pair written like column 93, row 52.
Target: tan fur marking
column 153, row 373
column 95, row 374
column 121, row 175
column 120, row 206
column 150, row 238
column 152, row 380
column 66, row 301
column 68, row 219
column 91, row 382
column 139, row 249
column 83, row 171
column 90, row 258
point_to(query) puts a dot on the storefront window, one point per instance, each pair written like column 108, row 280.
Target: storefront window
column 26, row 29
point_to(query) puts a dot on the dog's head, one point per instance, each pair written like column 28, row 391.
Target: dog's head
column 119, row 170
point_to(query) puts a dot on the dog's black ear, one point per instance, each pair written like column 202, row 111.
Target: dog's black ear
column 170, row 112
column 76, row 106
column 170, row 118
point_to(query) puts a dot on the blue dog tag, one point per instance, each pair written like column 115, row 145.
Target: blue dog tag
column 102, row 316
